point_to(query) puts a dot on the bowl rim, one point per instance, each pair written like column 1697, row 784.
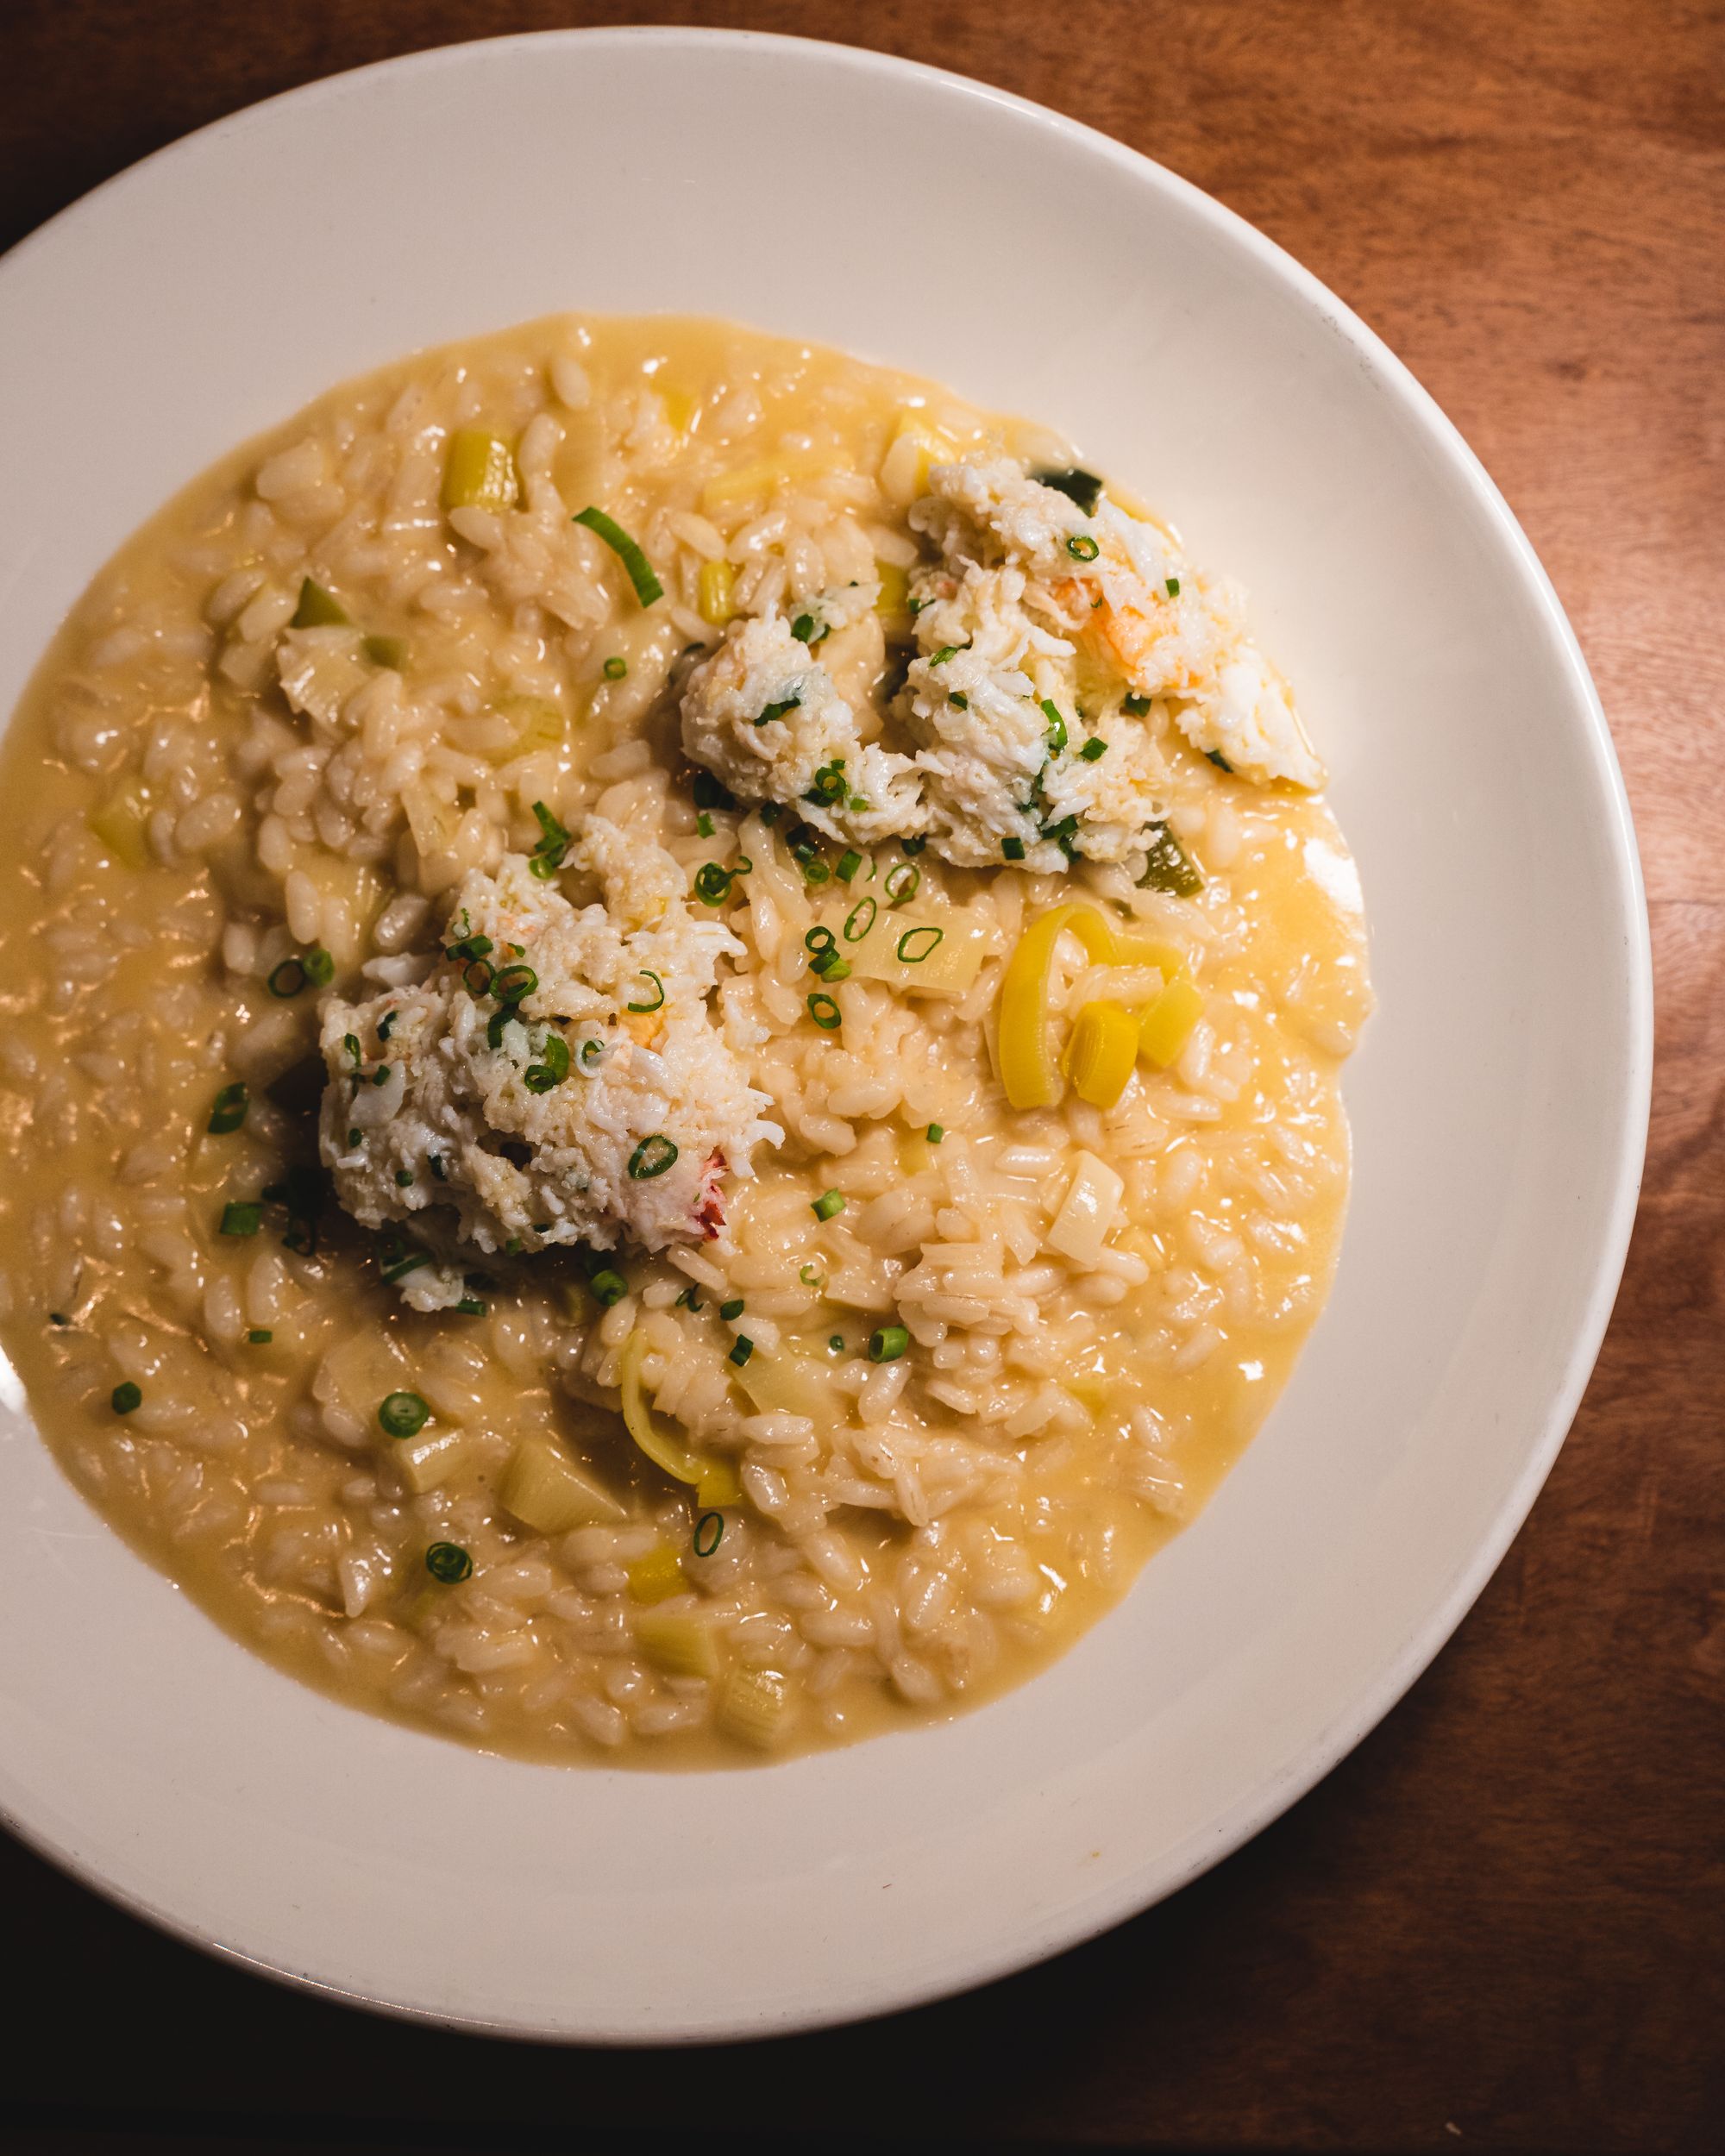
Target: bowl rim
column 1077, row 1923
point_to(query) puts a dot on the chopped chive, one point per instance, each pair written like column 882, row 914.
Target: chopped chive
column 658, row 984
column 829, row 782
column 287, row 978
column 514, row 983
column 946, row 652
column 888, row 1344
column 555, row 842
column 829, row 1203
column 704, row 824
column 449, row 1563
column 470, row 946
column 810, row 1277
column 1173, row 587
column 958, row 700
column 648, row 588
column 903, row 881
column 830, row 966
column 514, row 1246
column 58, row 1317
column 864, row 910
column 709, row 1533
column 778, row 710
column 825, row 1013
column 387, row 1023
column 819, row 938
column 1082, row 487
column 353, row 1139
column 651, row 1158
column 709, row 793
column 1094, row 749
column 404, row 1177
column 408, row 1262
column 849, row 862
column 769, row 812
column 124, row 1398
column 615, row 669
column 608, row 1287
column 742, row 1348
column 471, row 1306
column 552, row 1068
column 590, row 1052
column 320, row 966
column 816, row 871
column 913, row 845
column 836, row 1341
column 242, row 1217
column 1057, row 726
column 380, row 1075
column 712, row 883
column 688, row 1299
column 1012, row 848
column 732, row 1309
column 1137, row 705
column 1220, row 762
column 1083, row 546
column 259, row 1336
column 403, row 1414
column 935, row 1132
column 807, row 631
column 437, row 1167
column 228, row 1111
column 477, row 977
column 934, row 937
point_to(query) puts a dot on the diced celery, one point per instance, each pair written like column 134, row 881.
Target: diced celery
column 120, row 823
column 545, row 1490
column 479, row 473
column 713, row 586
column 430, row 1460
column 682, row 1643
column 1168, row 1022
column 756, row 1706
column 657, row 1575
column 318, row 609
column 538, row 723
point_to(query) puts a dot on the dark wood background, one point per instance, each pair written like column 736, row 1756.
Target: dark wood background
column 1500, row 1924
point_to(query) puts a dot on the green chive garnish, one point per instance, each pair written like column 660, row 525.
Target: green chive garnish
column 732, row 1309
column 709, row 1532
column 124, row 1398
column 829, row 1203
column 1083, row 546
column 1173, row 587
column 651, row 1158
column 1094, row 749
column 864, row 910
column 888, row 1344
column 742, row 1349
column 646, row 585
column 449, row 1563
column 615, row 669
column 924, row 938
column 1012, row 848
column 935, row 1132
column 1137, row 705
column 712, row 883
column 1082, row 487
column 778, row 710
column 704, row 826
column 228, row 1111
column 903, row 880
column 259, row 1336
column 849, row 863
column 403, row 1414
column 608, row 1287
column 241, row 1218
column 658, row 985
column 825, row 1013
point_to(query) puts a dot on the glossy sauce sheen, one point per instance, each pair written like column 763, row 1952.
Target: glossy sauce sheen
column 113, row 1187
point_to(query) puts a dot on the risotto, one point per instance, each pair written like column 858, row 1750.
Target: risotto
column 670, row 1054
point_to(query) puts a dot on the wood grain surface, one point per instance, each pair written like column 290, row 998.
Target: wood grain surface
column 1500, row 1923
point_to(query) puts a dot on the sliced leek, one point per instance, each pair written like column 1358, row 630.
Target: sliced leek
column 545, row 1490
column 479, row 471
column 1168, row 1022
column 756, row 1706
column 714, row 587
column 714, row 1480
column 681, row 1643
column 656, row 1577
column 1101, row 1053
column 1029, row 1067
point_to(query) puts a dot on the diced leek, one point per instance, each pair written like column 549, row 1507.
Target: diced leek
column 1101, row 1052
column 657, row 1575
column 675, row 1460
column 318, row 609
column 915, row 445
column 756, row 1706
column 1028, row 1069
column 719, row 1485
column 713, row 586
column 787, row 1383
column 895, row 588
column 121, row 821
column 948, row 969
column 539, row 724
column 479, row 471
column 429, row 1461
column 545, row 1490
column 1087, row 1212
column 682, row 1643
column 761, row 477
column 1168, row 1024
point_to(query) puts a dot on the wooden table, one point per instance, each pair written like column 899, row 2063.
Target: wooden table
column 1500, row 1923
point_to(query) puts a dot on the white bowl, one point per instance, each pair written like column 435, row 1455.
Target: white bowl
column 1499, row 1106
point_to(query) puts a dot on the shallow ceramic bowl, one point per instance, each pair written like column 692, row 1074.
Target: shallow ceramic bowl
column 1499, row 1104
